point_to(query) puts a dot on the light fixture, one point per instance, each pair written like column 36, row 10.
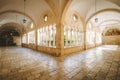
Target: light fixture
column 24, row 20
column 96, row 19
column 11, row 34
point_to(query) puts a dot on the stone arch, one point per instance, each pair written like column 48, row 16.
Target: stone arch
column 18, row 12
column 104, row 10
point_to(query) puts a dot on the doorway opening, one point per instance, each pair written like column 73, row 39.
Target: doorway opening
column 9, row 37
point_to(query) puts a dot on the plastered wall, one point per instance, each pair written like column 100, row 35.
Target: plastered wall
column 17, row 40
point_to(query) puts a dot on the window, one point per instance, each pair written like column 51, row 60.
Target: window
column 45, row 18
column 31, row 37
column 75, row 18
column 90, row 37
column 98, row 38
column 90, row 34
column 24, row 38
column 73, row 37
column 47, row 36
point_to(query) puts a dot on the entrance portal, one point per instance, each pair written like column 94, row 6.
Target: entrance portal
column 7, row 37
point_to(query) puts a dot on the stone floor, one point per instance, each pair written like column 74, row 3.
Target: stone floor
column 101, row 63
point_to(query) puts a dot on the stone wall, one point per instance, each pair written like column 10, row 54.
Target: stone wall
column 90, row 46
column 73, row 50
column 113, row 40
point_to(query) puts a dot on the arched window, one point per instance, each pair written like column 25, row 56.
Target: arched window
column 54, row 35
column 31, row 37
column 90, row 34
column 24, row 39
column 50, row 36
column 98, row 37
column 73, row 36
column 47, row 36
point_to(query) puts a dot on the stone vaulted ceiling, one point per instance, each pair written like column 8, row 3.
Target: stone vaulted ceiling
column 12, row 11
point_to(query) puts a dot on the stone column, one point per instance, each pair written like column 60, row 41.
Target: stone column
column 42, row 36
column 49, row 36
column 27, row 37
column 67, row 38
column 84, row 39
column 75, row 37
column 59, row 38
column 71, row 38
column 53, row 38
column 36, row 39
column 95, row 39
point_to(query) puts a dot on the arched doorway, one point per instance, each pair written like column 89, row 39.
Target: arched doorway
column 9, row 36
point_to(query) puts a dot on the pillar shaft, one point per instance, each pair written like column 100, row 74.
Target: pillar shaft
column 60, row 38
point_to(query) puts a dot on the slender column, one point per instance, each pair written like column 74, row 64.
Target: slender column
column 95, row 39
column 27, row 38
column 71, row 38
column 64, row 36
column 36, row 38
column 75, row 37
column 53, row 37
column 85, row 41
column 41, row 36
column 47, row 36
column 67, row 38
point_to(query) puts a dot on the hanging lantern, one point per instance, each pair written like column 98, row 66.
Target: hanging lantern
column 24, row 20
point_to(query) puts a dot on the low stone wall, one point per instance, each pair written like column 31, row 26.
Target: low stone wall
column 90, row 46
column 32, row 46
column 58, row 52
column 49, row 50
column 72, row 50
column 111, row 40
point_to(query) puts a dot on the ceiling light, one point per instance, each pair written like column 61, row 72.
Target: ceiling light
column 96, row 19
column 24, row 20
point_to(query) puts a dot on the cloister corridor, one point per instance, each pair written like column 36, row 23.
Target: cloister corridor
column 59, row 39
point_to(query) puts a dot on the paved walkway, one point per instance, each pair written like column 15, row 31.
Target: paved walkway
column 101, row 63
